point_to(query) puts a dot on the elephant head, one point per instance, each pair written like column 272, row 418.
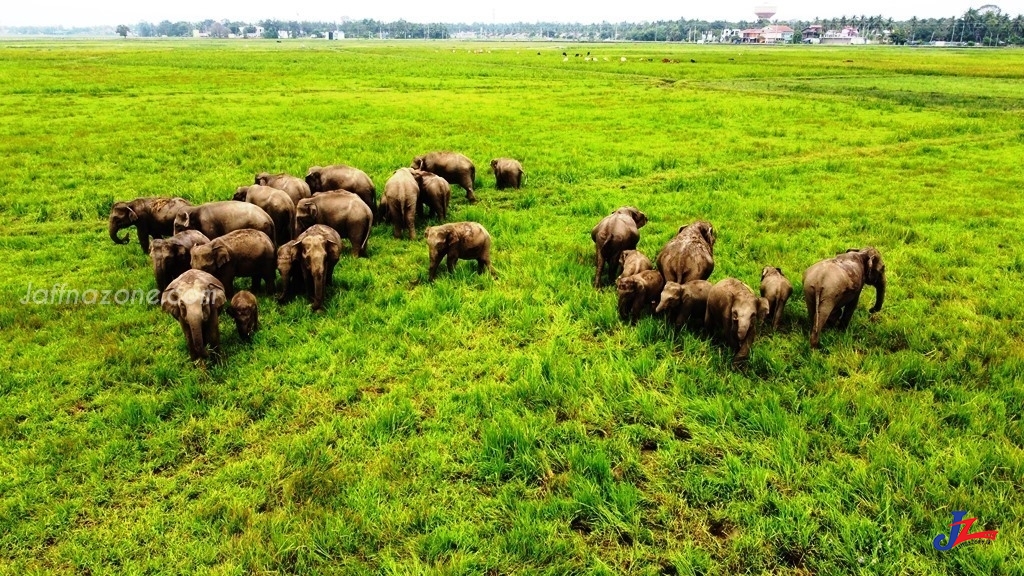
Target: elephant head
column 167, row 259
column 418, row 162
column 288, row 257
column 706, row 230
column 639, row 217
column 671, row 295
column 317, row 252
column 240, row 193
column 874, row 274
column 185, row 220
column 439, row 240
column 194, row 299
column 262, row 178
column 305, row 214
column 210, row 257
column 313, row 179
column 746, row 313
column 121, row 216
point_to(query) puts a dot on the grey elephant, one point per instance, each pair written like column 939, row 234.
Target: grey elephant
column 455, row 240
column 454, row 167
column 733, row 311
column 832, row 288
column 245, row 252
column 194, row 299
column 398, row 205
column 350, row 217
column 244, row 310
column 685, row 303
column 289, row 264
column 342, row 177
column 508, row 173
column 215, row 219
column 295, row 187
column 638, row 293
column 152, row 218
column 173, row 256
column 614, row 234
column 435, row 193
column 634, row 262
column 276, row 203
column 690, row 254
column 320, row 249
column 776, row 288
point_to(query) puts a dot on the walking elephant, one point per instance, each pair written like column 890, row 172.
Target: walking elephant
column 614, row 234
column 194, row 299
column 690, row 254
column 245, row 252
column 342, row 177
column 455, row 240
column 343, row 211
column 295, row 187
column 733, row 311
column 454, row 167
column 173, row 256
column 398, row 205
column 276, row 203
column 508, row 173
column 320, row 249
column 152, row 218
column 215, row 219
column 832, row 288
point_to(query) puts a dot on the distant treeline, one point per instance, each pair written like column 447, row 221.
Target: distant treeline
column 987, row 27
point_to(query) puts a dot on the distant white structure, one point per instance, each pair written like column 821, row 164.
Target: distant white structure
column 728, row 34
column 336, row 35
column 765, row 12
column 284, row 34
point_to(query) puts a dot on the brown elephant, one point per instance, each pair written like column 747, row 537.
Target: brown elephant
column 685, row 303
column 777, row 289
column 295, row 187
column 320, row 249
column 832, row 288
column 454, row 167
column 342, row 177
column 733, row 311
column 173, row 256
column 465, row 240
column 245, row 312
column 194, row 299
column 638, row 293
column 276, row 203
column 289, row 264
column 240, row 253
column 435, row 193
column 508, row 173
column 398, row 205
column 341, row 210
column 152, row 218
column 614, row 234
column 634, row 262
column 690, row 254
column 215, row 219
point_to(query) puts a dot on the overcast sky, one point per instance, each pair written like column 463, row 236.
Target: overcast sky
column 87, row 13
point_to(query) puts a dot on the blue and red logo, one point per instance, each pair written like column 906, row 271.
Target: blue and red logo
column 960, row 532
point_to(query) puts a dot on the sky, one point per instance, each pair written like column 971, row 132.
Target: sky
column 113, row 12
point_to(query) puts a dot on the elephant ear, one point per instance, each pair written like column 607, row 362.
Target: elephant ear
column 221, row 255
column 640, row 218
column 169, row 300
column 762, row 309
column 333, row 248
column 709, row 235
column 215, row 297
column 132, row 216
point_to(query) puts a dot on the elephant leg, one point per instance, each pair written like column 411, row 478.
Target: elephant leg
column 452, row 260
column 600, row 268
column 467, row 183
column 637, row 309
column 143, row 236
column 211, row 333
column 433, row 269
column 395, row 229
column 847, row 315
column 410, row 223
column 819, row 319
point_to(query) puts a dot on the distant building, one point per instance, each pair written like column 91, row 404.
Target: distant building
column 772, row 34
column 284, row 34
column 848, row 35
column 813, row 31
column 336, row 35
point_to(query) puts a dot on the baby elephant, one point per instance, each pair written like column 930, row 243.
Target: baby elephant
column 685, row 302
column 508, row 173
column 195, row 299
column 245, row 312
column 173, row 256
column 320, row 249
column 244, row 252
column 289, row 264
column 638, row 293
column 466, row 240
column 634, row 262
column 733, row 311
column 435, row 193
column 777, row 289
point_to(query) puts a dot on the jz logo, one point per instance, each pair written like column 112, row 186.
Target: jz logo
column 960, row 532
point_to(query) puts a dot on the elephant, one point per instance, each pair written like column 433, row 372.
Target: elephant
column 342, row 177
column 215, row 219
column 615, row 233
column 245, row 312
column 295, row 187
column 195, row 299
column 638, row 293
column 832, row 288
column 733, row 311
column 173, row 256
column 686, row 303
column 289, row 264
column 320, row 250
column 634, row 262
column 276, row 203
column 508, row 173
column 341, row 210
column 777, row 289
column 398, row 205
column 454, row 167
column 240, row 253
column 152, row 217
column 690, row 254
column 466, row 240
column 435, row 193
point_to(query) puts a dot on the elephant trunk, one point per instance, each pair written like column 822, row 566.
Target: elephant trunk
column 879, row 294
column 662, row 305
column 318, row 288
column 113, row 228
column 197, row 346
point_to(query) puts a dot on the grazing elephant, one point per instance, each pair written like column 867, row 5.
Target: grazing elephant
column 777, row 289
column 320, row 249
column 454, row 167
column 173, row 256
column 152, row 217
column 466, row 240
column 240, row 253
column 832, row 288
column 276, row 203
column 195, row 299
column 342, row 177
column 733, row 310
column 246, row 314
column 215, row 219
column 398, row 205
column 615, row 233
column 341, row 210
column 638, row 293
column 690, row 254
column 508, row 173
column 634, row 262
column 685, row 303
column 289, row 264
column 435, row 193
column 295, row 187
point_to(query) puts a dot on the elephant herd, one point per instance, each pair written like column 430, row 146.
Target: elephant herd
column 295, row 227
column 680, row 290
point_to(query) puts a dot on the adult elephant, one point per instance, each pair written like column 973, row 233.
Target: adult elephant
column 690, row 254
column 342, row 177
column 398, row 205
column 215, row 219
column 320, row 249
column 832, row 288
column 613, row 235
column 295, row 187
column 343, row 211
column 152, row 218
column 454, row 167
column 173, row 256
column 733, row 311
column 194, row 299
column 274, row 202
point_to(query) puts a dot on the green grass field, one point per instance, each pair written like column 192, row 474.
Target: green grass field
column 515, row 425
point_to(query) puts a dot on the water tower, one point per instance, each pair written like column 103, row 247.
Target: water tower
column 764, row 13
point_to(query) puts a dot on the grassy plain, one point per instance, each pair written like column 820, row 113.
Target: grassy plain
column 515, row 426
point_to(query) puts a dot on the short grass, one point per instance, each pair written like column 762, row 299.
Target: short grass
column 515, row 426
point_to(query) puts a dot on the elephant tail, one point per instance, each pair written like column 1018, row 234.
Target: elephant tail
column 366, row 237
column 817, row 308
